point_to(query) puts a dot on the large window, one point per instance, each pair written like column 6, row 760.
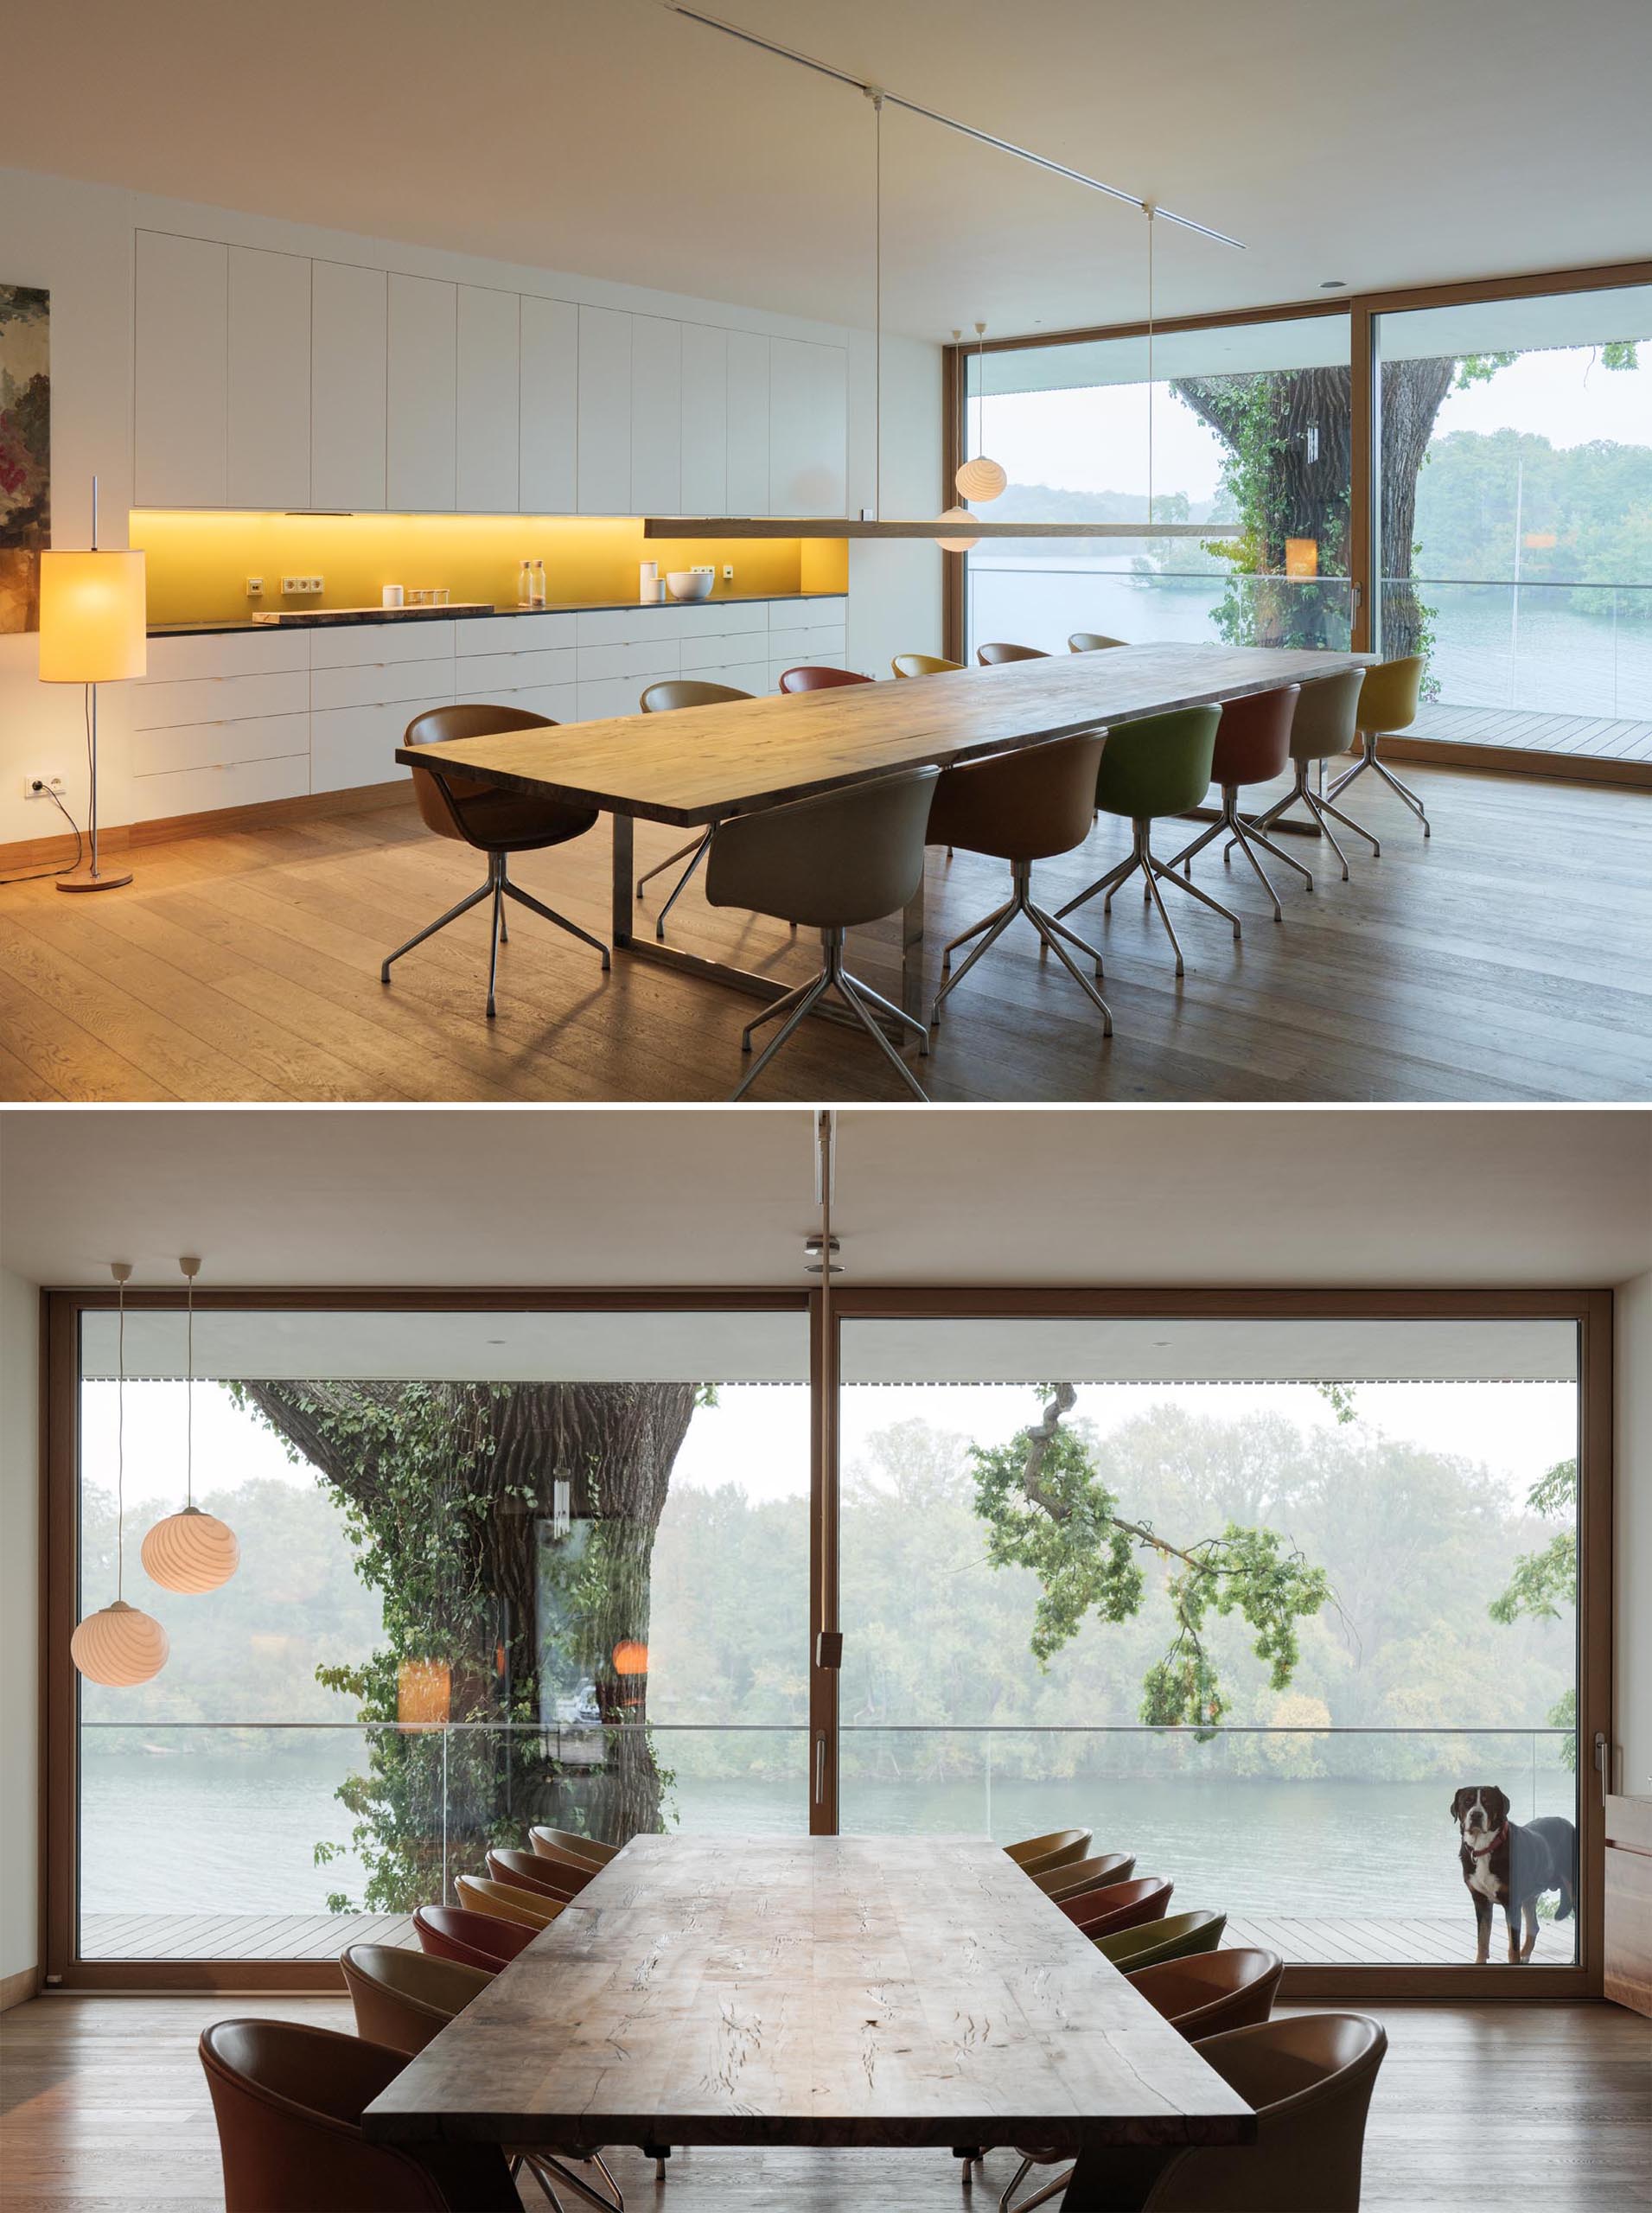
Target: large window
column 1249, row 425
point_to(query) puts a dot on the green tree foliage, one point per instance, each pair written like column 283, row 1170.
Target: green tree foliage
column 1544, row 1581
column 1594, row 502
column 1047, row 1509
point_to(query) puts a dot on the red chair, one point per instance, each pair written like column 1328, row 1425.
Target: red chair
column 820, row 680
column 476, row 1940
column 1253, row 747
column 527, row 1870
column 1122, row 1905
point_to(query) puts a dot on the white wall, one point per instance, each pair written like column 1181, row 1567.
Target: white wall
column 76, row 241
column 1632, row 1537
column 19, row 1622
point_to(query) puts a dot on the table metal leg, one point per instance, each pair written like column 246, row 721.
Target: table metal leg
column 624, row 850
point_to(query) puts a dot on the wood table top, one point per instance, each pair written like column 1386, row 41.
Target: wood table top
column 874, row 1991
column 698, row 763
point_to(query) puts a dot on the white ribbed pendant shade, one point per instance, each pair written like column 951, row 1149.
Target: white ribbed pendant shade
column 980, row 479
column 190, row 1552
column 119, row 1646
column 956, row 545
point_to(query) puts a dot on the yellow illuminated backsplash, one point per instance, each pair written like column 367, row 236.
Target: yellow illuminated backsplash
column 199, row 563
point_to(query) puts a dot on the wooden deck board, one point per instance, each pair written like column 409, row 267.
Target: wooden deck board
column 1599, row 736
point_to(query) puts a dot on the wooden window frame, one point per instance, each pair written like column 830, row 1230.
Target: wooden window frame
column 1361, row 309
column 1591, row 1311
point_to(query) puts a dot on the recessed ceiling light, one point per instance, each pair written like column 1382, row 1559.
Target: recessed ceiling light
column 1334, row 285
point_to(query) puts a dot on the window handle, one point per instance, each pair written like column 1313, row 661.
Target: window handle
column 820, row 1771
column 1603, row 1762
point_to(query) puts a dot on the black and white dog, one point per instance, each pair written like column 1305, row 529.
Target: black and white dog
column 1508, row 1866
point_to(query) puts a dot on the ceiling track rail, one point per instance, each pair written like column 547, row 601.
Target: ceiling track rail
column 947, row 122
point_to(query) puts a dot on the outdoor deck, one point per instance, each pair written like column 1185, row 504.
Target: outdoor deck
column 1398, row 1939
column 1587, row 736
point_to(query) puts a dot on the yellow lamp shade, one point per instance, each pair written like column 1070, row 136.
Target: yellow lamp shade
column 190, row 1552
column 630, row 1657
column 119, row 1646
column 955, row 544
column 981, row 479
column 93, row 616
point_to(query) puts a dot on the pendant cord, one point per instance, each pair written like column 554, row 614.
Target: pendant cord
column 825, row 1136
column 877, row 305
column 1147, row 210
column 190, row 1403
column 120, row 1444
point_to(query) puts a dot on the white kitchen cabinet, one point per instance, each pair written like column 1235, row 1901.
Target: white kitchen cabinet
column 656, row 415
column 269, row 379
column 421, row 394
column 605, row 412
column 348, row 310
column 548, row 472
column 807, row 428
column 705, row 420
column 748, row 424
column 489, row 373
column 180, row 425
column 357, row 745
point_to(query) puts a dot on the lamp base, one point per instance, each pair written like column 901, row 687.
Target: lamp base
column 87, row 878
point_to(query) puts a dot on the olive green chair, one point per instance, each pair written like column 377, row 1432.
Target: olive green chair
column 1160, row 766
column 567, row 1843
column 923, row 665
column 1388, row 700
column 663, row 700
column 1325, row 722
column 1154, row 1940
column 1092, row 641
column 994, row 656
column 1075, row 1877
column 1055, row 1848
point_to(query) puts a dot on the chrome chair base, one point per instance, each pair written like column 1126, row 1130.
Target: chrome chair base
column 1039, row 2196
column 697, row 851
column 1249, row 840
column 1154, row 872
column 1368, row 760
column 498, row 888
column 860, row 999
column 1319, row 808
column 1050, row 933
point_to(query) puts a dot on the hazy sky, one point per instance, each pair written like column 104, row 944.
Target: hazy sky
column 1096, row 440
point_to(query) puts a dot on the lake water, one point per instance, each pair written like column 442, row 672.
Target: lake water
column 172, row 1834
column 1548, row 658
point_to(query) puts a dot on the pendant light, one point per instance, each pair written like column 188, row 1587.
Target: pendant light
column 190, row 1552
column 980, row 479
column 118, row 1645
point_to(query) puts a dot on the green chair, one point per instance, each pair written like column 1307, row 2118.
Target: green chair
column 1324, row 722
column 1388, row 701
column 1155, row 767
column 1092, row 641
column 1176, row 1938
column 1055, row 1848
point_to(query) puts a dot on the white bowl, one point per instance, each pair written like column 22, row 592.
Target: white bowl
column 691, row 584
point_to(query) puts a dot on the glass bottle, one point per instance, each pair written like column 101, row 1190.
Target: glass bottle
column 525, row 584
column 538, row 583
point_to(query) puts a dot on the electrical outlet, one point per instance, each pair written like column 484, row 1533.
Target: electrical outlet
column 255, row 587
column 300, row 587
column 42, row 787
column 728, row 572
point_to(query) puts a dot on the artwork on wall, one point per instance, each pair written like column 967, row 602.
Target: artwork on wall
column 25, row 452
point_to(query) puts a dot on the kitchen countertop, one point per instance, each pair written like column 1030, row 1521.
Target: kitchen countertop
column 324, row 618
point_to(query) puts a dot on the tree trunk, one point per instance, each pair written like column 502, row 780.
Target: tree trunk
column 614, row 1445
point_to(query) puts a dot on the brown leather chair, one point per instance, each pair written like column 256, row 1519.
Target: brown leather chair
column 289, row 2101
column 1055, row 1848
column 404, row 1999
column 1073, row 1876
column 531, row 1871
column 554, row 1863
column 853, row 856
column 475, row 1940
column 1309, row 2079
column 570, row 1844
column 663, row 700
column 995, row 656
column 497, row 822
column 1213, row 1992
column 820, row 680
column 1092, row 641
column 1021, row 807
column 1253, row 747
column 1121, row 1905
column 482, row 1894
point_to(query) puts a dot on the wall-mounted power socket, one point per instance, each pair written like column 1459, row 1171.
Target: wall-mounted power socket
column 255, row 587
column 42, row 787
column 298, row 587
column 728, row 572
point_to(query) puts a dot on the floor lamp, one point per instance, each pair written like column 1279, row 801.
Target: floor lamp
column 92, row 631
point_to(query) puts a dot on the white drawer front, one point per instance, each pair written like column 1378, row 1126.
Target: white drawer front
column 510, row 671
column 829, row 638
column 513, row 633
column 604, row 626
column 203, row 791
column 653, row 657
column 722, row 618
column 352, row 644
column 217, row 745
column 357, row 745
column 795, row 641
column 739, row 675
column 557, row 703
column 710, row 652
column 617, row 696
column 426, row 682
column 593, row 664
column 240, row 653
column 219, row 699
column 784, row 614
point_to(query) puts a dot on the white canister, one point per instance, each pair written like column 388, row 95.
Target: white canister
column 648, row 583
column 392, row 596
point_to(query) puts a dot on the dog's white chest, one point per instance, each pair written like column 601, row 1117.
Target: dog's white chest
column 1481, row 1879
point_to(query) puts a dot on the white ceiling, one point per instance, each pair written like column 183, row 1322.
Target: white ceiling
column 616, row 1197
column 1422, row 140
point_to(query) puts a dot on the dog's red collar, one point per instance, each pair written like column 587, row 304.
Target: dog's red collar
column 1481, row 1850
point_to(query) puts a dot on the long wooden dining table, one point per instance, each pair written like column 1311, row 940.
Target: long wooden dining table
column 857, row 1992
column 695, row 766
